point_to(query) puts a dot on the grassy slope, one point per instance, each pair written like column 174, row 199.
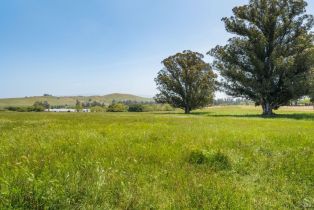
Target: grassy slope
column 110, row 160
column 69, row 100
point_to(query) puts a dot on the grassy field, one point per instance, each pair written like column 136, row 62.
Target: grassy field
column 219, row 158
column 69, row 100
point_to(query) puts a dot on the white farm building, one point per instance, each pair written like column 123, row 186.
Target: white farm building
column 66, row 110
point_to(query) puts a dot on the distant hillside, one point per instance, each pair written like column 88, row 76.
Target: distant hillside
column 70, row 100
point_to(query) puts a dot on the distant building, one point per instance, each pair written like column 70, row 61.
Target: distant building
column 66, row 110
column 60, row 110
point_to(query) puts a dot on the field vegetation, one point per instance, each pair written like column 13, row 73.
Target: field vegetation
column 217, row 158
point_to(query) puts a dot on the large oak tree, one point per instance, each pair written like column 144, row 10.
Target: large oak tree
column 186, row 81
column 269, row 60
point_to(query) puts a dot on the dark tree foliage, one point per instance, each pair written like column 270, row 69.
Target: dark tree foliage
column 117, row 107
column 136, row 108
column 269, row 60
column 78, row 106
column 186, row 81
column 40, row 106
column 231, row 101
column 91, row 103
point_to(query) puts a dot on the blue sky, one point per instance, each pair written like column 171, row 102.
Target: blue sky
column 96, row 47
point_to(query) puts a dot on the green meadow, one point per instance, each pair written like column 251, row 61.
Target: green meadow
column 218, row 158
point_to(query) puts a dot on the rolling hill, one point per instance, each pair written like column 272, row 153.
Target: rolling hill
column 70, row 100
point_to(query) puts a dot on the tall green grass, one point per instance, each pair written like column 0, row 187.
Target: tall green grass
column 146, row 161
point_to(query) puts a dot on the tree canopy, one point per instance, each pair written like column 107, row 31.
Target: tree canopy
column 117, row 107
column 186, row 81
column 269, row 59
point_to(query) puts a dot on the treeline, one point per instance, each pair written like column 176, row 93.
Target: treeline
column 120, row 107
column 94, row 106
column 38, row 106
column 232, row 101
column 304, row 101
column 124, row 106
column 91, row 104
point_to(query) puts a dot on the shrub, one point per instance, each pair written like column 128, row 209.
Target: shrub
column 11, row 108
column 216, row 160
column 198, row 157
column 41, row 106
column 98, row 109
column 117, row 108
column 17, row 109
column 36, row 108
column 136, row 108
column 220, row 161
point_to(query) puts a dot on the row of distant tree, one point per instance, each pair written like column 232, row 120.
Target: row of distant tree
column 90, row 104
column 232, row 101
column 132, row 106
column 270, row 61
column 115, row 106
column 304, row 101
column 123, row 106
column 38, row 106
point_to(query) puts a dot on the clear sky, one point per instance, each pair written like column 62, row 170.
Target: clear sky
column 96, row 47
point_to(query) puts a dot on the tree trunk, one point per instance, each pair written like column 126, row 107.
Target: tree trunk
column 267, row 110
column 187, row 110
